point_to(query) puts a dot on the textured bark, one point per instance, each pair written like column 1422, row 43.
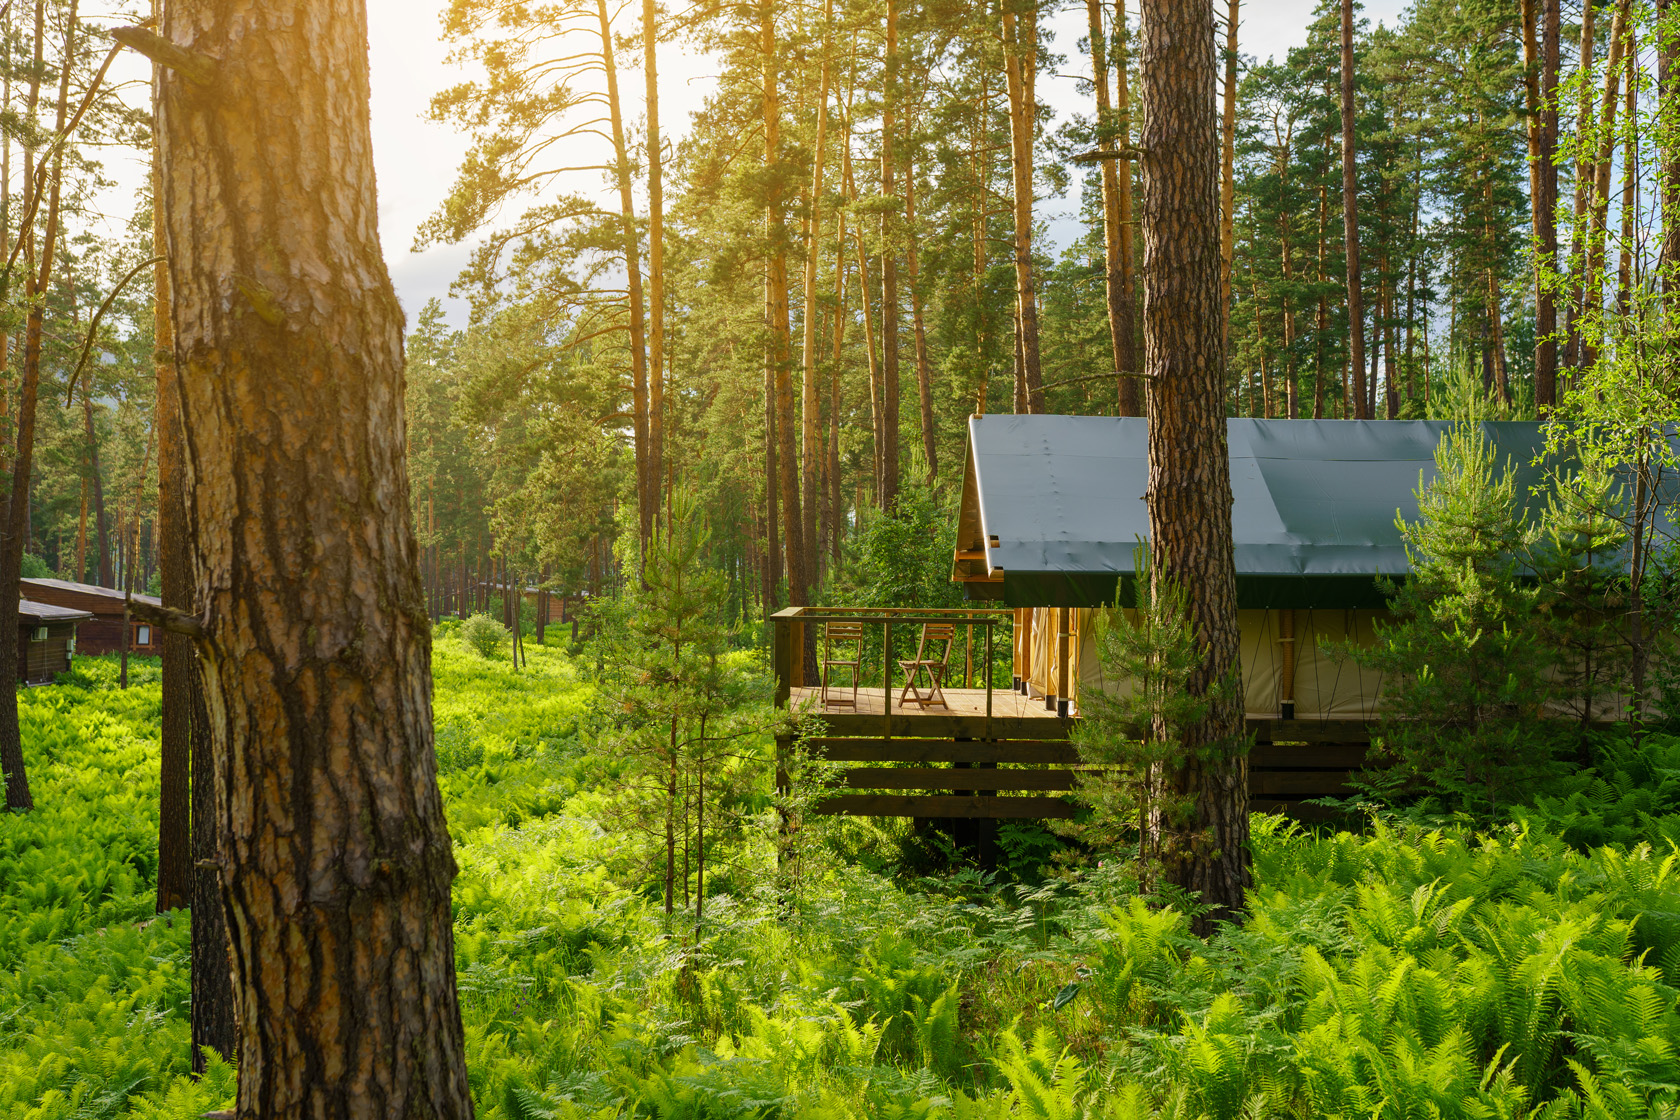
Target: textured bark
column 810, row 376
column 889, row 272
column 776, row 294
column 918, row 326
column 1020, row 46
column 656, row 250
column 336, row 863
column 14, row 525
column 1189, row 493
column 1541, row 19
column 1598, row 211
column 1350, row 218
column 1117, row 254
column 1668, row 59
column 1630, row 178
column 647, row 477
column 1228, row 155
column 174, row 810
column 1131, row 388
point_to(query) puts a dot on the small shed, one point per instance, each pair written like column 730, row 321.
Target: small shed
column 103, row 633
column 1053, row 511
column 46, row 640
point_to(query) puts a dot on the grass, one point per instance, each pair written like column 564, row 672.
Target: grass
column 1402, row 972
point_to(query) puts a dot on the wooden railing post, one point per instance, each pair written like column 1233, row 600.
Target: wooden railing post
column 781, row 653
column 796, row 651
column 886, row 677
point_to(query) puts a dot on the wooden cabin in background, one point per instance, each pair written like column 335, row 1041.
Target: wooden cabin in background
column 46, row 640
column 103, row 632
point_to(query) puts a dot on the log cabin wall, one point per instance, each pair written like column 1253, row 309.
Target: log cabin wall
column 41, row 660
column 103, row 633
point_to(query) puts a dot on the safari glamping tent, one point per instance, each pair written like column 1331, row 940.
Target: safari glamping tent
column 1053, row 513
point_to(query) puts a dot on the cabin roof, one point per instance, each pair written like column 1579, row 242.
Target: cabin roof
column 1053, row 506
column 64, row 585
column 31, row 613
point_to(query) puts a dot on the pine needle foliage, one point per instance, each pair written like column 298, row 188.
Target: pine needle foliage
column 1468, row 677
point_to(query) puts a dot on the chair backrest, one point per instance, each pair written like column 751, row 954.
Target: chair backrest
column 844, row 632
column 937, row 632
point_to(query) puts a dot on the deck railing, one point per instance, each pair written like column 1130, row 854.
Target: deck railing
column 798, row 646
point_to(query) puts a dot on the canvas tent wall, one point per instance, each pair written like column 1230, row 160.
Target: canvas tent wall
column 1053, row 512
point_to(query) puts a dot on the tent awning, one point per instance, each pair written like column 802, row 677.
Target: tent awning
column 1053, row 507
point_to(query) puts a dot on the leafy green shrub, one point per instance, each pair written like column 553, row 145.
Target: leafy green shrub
column 484, row 635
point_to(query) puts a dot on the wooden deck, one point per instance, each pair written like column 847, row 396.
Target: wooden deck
column 959, row 761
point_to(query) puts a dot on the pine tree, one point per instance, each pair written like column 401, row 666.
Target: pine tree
column 1467, row 678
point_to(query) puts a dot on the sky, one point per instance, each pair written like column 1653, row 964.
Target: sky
column 416, row 158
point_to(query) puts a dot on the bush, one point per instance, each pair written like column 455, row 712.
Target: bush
column 484, row 634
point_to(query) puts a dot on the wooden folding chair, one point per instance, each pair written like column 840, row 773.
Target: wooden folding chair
column 841, row 634
column 925, row 664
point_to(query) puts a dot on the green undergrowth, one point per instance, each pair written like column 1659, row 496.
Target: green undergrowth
column 1403, row 972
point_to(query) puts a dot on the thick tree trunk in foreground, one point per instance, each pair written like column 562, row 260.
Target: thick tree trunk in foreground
column 315, row 651
column 1350, row 219
column 1189, row 476
column 174, row 561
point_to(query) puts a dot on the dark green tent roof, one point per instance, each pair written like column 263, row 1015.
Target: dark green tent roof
column 1056, row 503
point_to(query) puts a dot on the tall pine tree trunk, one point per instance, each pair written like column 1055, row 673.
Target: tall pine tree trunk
column 810, row 403
column 1020, row 46
column 656, row 252
column 312, row 634
column 179, row 670
column 1189, row 494
column 14, row 526
column 786, row 476
column 1540, row 19
column 918, row 327
column 1116, row 233
column 1228, row 156
column 647, row 480
column 1350, row 217
column 889, row 272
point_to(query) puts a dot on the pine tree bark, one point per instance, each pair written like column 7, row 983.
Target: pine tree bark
column 647, row 478
column 175, row 723
column 313, row 640
column 810, row 377
column 1598, row 214
column 1020, row 46
column 1668, row 72
column 656, row 251
column 889, row 272
column 1189, row 495
column 14, row 525
column 780, row 330
column 1228, row 155
column 1541, row 20
column 918, row 326
column 1350, row 217
column 1117, row 248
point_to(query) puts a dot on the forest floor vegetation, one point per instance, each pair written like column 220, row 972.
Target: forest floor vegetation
column 1401, row 971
